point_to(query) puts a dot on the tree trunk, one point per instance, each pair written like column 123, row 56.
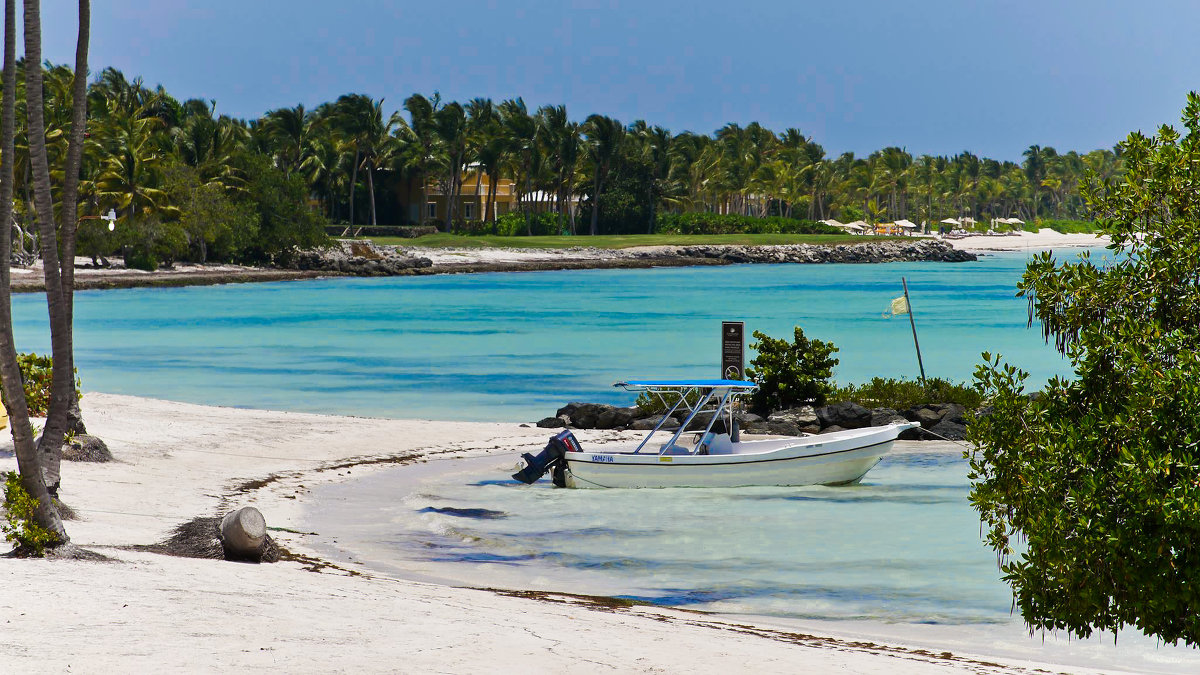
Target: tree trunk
column 478, row 184
column 353, row 181
column 62, row 386
column 371, row 192
column 28, row 461
column 595, row 202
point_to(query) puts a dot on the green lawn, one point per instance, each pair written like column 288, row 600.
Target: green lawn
column 624, row 240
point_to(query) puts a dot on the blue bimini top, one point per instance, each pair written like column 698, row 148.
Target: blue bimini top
column 702, row 384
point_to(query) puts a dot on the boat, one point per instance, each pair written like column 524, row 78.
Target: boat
column 708, row 450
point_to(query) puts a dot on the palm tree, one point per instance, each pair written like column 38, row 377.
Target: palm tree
column 131, row 158
column 450, row 123
column 605, row 137
column 423, row 148
column 37, row 478
column 289, row 130
column 361, row 121
column 522, row 133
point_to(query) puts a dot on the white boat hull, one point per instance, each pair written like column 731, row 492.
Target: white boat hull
column 829, row 459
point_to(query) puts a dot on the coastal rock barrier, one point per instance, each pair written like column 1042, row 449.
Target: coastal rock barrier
column 920, row 250
column 942, row 420
column 360, row 258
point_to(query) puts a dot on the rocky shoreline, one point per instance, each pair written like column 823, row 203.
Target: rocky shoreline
column 360, row 258
column 939, row 421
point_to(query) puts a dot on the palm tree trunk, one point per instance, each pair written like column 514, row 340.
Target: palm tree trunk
column 61, row 387
column 478, row 184
column 353, row 181
column 28, row 460
column 595, row 202
column 371, row 192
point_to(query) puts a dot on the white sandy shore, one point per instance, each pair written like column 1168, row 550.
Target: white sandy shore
column 1043, row 240
column 178, row 461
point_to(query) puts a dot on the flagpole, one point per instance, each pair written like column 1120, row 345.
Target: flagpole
column 913, row 323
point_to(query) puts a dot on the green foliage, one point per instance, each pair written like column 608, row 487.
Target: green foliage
column 1099, row 476
column 211, row 225
column 285, row 223
column 1063, row 226
column 19, row 526
column 901, row 394
column 718, row 223
column 789, row 374
column 36, row 376
column 512, row 224
column 149, row 242
column 652, row 404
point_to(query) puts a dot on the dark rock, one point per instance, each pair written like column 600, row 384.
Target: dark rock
column 747, row 419
column 951, row 412
column 648, row 423
column 587, row 415
column 783, row 428
column 881, row 417
column 832, row 428
column 801, row 417
column 568, row 410
column 847, row 415
column 811, row 429
column 949, row 430
column 551, row 422
column 924, row 414
column 86, row 448
column 917, row 434
column 617, row 418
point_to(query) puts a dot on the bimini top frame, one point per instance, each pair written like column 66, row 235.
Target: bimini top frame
column 723, row 392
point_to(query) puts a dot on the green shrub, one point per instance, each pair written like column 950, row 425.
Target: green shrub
column 901, row 394
column 512, row 224
column 718, row 223
column 652, row 404
column 37, row 378
column 789, row 374
column 19, row 526
column 1063, row 226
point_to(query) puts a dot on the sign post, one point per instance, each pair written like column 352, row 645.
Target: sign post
column 733, row 350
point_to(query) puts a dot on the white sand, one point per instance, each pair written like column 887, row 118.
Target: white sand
column 153, row 612
column 1043, row 240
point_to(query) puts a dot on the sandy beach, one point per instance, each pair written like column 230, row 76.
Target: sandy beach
column 1042, row 240
column 175, row 462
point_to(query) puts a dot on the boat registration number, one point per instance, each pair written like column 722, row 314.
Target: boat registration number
column 603, row 458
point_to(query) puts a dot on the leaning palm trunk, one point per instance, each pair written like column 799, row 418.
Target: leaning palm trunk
column 70, row 207
column 28, row 461
column 62, row 388
column 371, row 192
column 353, row 181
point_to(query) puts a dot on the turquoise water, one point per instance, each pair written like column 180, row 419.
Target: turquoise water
column 514, row 347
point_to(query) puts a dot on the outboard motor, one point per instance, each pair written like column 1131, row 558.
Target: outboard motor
column 553, row 457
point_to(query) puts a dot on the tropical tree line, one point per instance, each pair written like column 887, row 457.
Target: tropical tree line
column 180, row 175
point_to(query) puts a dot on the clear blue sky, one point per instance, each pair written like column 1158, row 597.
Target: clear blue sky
column 937, row 76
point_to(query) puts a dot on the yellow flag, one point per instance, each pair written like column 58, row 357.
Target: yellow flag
column 899, row 306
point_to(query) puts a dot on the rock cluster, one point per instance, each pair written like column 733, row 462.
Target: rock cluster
column 938, row 420
column 360, row 258
column 892, row 250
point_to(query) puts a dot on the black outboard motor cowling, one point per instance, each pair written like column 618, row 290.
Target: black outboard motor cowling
column 553, row 457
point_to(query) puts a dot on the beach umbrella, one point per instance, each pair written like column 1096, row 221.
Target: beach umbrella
column 833, row 223
column 906, row 224
column 951, row 221
column 859, row 225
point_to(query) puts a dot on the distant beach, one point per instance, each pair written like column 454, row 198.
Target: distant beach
column 515, row 259
column 178, row 461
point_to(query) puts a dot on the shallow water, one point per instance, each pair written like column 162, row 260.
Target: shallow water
column 882, row 560
column 517, row 346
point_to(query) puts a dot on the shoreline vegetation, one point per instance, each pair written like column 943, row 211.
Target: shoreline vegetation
column 302, row 611
column 452, row 254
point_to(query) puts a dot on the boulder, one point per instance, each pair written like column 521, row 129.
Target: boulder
column 847, row 415
column 802, row 417
column 832, row 428
column 783, row 428
column 86, row 448
column 587, row 415
column 747, row 419
column 949, row 430
column 568, row 410
column 881, row 417
column 951, row 412
column 551, row 422
column 617, row 418
column 925, row 414
column 648, row 423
